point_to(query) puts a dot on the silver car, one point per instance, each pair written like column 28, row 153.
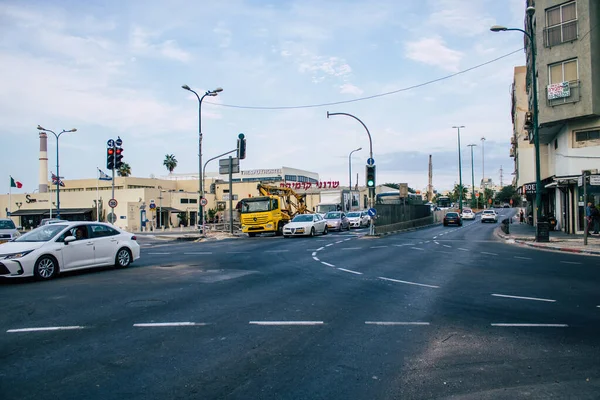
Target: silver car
column 8, row 230
column 358, row 219
column 337, row 221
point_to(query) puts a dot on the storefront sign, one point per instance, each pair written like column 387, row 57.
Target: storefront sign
column 595, row 180
column 529, row 188
column 308, row 185
column 558, row 90
column 262, row 172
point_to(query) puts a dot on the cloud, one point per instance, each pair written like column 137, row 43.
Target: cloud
column 141, row 43
column 224, row 35
column 350, row 89
column 432, row 51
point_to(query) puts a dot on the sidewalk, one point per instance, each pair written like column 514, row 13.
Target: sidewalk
column 525, row 235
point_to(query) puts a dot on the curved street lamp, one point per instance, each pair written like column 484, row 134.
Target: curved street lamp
column 460, row 186
column 536, row 138
column 57, row 165
column 211, row 93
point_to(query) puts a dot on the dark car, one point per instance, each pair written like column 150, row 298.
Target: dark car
column 452, row 218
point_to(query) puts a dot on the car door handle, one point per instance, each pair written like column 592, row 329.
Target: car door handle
column 89, row 244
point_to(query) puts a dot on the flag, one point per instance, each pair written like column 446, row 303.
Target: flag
column 14, row 183
column 56, row 179
column 103, row 176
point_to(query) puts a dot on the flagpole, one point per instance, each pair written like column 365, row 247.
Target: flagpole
column 10, row 199
column 98, row 198
column 50, row 198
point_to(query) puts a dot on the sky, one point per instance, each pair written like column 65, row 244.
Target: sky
column 115, row 68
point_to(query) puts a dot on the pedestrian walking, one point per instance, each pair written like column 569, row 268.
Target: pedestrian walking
column 588, row 216
column 595, row 215
column 521, row 217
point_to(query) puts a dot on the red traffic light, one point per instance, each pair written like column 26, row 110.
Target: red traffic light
column 110, row 152
column 119, row 150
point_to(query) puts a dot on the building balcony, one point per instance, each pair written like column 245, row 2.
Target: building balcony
column 512, row 151
column 563, row 93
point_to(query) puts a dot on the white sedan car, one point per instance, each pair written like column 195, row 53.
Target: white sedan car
column 358, row 219
column 468, row 214
column 489, row 216
column 305, row 225
column 67, row 246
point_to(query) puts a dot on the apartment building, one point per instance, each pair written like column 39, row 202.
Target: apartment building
column 568, row 79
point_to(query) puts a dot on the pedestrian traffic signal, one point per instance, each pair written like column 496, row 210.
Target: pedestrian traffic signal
column 118, row 157
column 370, row 176
column 110, row 158
column 241, row 147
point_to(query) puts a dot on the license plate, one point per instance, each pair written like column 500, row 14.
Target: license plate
column 3, row 241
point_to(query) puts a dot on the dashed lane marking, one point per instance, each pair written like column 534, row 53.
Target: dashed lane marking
column 463, row 249
column 408, row 283
column 378, row 247
column 320, row 248
column 417, row 248
column 427, row 241
column 326, row 263
column 238, row 252
column 351, row 248
column 523, row 258
column 314, row 254
column 330, row 244
column 436, row 242
column 339, row 241
column 523, row 298
column 489, row 254
column 445, row 245
column 157, row 254
column 532, row 325
column 198, row 253
column 315, row 258
column 349, row 270
column 286, row 323
column 395, row 323
column 571, row 262
column 435, row 237
column 166, row 324
column 46, row 328
column 276, row 251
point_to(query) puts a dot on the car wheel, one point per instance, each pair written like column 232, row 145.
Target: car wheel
column 251, row 234
column 325, row 231
column 123, row 258
column 45, row 268
column 445, row 224
column 312, row 231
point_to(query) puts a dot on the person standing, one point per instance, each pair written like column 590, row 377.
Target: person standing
column 595, row 219
column 521, row 217
column 588, row 216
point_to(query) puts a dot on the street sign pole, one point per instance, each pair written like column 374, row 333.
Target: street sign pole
column 230, row 195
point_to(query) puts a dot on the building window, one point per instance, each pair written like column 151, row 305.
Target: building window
column 184, row 201
column 193, row 201
column 565, row 71
column 561, row 24
column 291, row 178
column 587, row 135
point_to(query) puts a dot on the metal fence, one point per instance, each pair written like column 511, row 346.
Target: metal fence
column 388, row 214
column 399, row 226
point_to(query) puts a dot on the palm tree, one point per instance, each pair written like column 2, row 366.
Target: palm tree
column 125, row 170
column 456, row 192
column 170, row 162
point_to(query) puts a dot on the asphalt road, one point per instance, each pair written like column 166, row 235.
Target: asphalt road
column 433, row 313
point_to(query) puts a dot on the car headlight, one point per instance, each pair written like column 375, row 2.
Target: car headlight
column 269, row 225
column 16, row 235
column 16, row 255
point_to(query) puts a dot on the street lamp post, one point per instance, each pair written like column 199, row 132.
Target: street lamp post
column 460, row 186
column 371, row 190
column 483, row 169
column 350, row 167
column 472, row 175
column 536, row 138
column 201, row 183
column 57, row 136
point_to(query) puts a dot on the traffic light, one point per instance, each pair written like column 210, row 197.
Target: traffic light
column 118, row 157
column 110, row 158
column 241, row 146
column 528, row 120
column 370, row 176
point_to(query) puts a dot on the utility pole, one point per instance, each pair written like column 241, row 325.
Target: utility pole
column 501, row 176
column 483, row 171
column 472, row 175
column 430, row 186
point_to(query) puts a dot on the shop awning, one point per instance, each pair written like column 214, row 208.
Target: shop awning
column 24, row 213
column 169, row 209
column 72, row 211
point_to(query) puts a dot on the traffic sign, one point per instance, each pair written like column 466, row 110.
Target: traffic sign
column 119, row 142
column 203, row 202
column 511, row 201
column 477, row 194
column 372, row 212
column 370, row 161
column 112, row 203
column 111, row 218
column 110, row 143
column 152, row 206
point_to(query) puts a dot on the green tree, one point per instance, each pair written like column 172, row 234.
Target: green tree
column 508, row 193
column 125, row 170
column 170, row 163
column 455, row 195
column 183, row 219
column 487, row 194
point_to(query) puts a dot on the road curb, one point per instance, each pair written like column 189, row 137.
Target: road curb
column 509, row 240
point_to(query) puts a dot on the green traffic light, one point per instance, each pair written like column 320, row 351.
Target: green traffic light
column 370, row 183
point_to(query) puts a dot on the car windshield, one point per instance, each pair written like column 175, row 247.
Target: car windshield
column 322, row 209
column 7, row 224
column 42, row 234
column 452, row 215
column 250, row 206
column 333, row 215
column 353, row 215
column 303, row 218
column 489, row 212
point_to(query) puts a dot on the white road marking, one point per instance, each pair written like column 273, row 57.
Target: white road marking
column 445, row 245
column 351, row 248
column 315, row 258
column 436, row 242
column 408, row 283
column 349, row 270
column 523, row 258
column 163, row 324
column 320, row 248
column 571, row 262
column 345, row 240
column 460, row 248
column 325, row 263
column 286, row 323
column 420, row 243
column 427, row 241
column 535, row 325
column 391, row 323
column 46, row 328
column 330, row 244
column 339, row 241
column 314, row 253
column 198, row 253
column 276, row 251
column 489, row 254
column 378, row 247
column 156, row 254
column 523, row 298
column 238, row 252
column 435, row 237
column 417, row 248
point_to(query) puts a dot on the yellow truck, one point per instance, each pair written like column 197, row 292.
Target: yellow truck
column 271, row 210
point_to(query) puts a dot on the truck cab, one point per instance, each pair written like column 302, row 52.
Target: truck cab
column 263, row 214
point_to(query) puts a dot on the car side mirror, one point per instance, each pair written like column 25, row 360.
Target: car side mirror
column 70, row 239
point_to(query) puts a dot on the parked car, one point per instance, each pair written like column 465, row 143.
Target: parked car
column 467, row 214
column 337, row 220
column 452, row 218
column 305, row 225
column 506, row 205
column 8, row 230
column 48, row 221
column 358, row 219
column 489, row 216
column 66, row 246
